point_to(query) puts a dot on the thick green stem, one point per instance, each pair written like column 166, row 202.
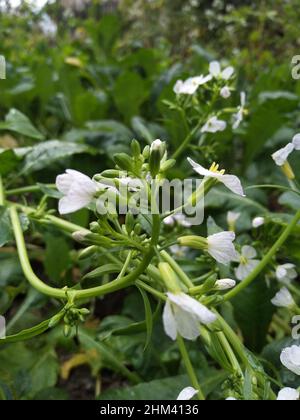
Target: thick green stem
column 78, row 294
column 24, row 260
column 180, row 273
column 189, row 368
column 265, row 261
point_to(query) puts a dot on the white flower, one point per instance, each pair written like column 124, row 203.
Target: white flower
column 283, row 299
column 182, row 315
column 181, row 219
column 78, row 190
column 257, row 222
column 239, row 116
column 179, row 251
column 232, row 218
column 213, row 125
column 288, row 394
column 290, row 358
column 248, row 262
column 286, row 273
column 187, row 393
column 225, row 92
column 220, row 247
column 281, row 156
column 191, row 85
column 230, row 181
column 216, row 71
column 231, row 399
column 225, row 284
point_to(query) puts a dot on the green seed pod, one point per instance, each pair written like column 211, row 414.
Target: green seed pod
column 110, row 173
column 55, row 320
column 87, row 252
column 124, row 161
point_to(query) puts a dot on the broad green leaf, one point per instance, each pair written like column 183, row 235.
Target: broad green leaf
column 19, row 123
column 27, row 371
column 254, row 311
column 129, row 94
column 45, row 154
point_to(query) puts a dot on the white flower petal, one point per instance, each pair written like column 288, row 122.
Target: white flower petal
column 257, row 222
column 233, row 183
column 281, row 156
column 227, row 73
column 221, row 248
column 296, row 141
column 187, row 393
column 192, row 306
column 169, row 321
column 215, row 68
column 288, row 394
column 201, row 170
column 249, row 252
column 283, row 299
column 225, row 92
column 187, row 324
column 290, row 358
column 232, row 217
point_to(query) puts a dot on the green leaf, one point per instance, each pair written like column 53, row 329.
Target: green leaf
column 6, row 234
column 31, row 332
column 57, row 258
column 106, row 353
column 163, row 389
column 27, row 371
column 8, row 162
column 19, row 123
column 254, row 312
column 45, row 154
column 129, row 94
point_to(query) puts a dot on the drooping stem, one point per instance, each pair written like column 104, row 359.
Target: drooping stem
column 265, row 261
column 186, row 141
column 25, row 263
column 189, row 368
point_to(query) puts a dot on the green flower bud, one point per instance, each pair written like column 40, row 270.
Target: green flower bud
column 169, row 277
column 157, row 152
column 167, row 165
column 135, row 148
column 195, row 242
column 124, row 161
column 129, row 222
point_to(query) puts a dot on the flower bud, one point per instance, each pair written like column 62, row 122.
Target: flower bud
column 157, row 152
column 225, row 284
column 169, row 277
column 135, row 148
column 195, row 242
column 124, row 161
column 169, row 164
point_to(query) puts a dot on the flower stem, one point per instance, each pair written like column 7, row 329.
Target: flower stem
column 189, row 368
column 265, row 261
column 24, row 260
column 187, row 141
column 181, row 274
